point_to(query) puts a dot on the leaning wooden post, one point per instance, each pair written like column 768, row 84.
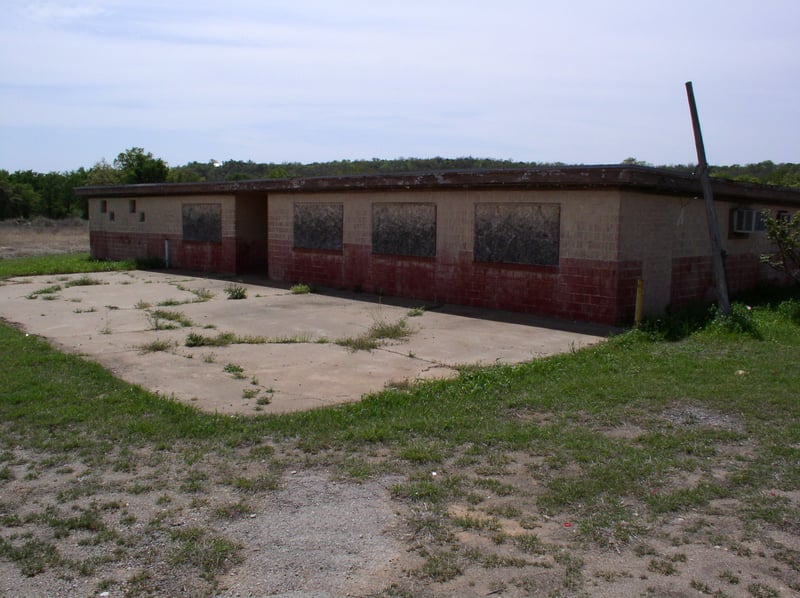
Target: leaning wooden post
column 717, row 252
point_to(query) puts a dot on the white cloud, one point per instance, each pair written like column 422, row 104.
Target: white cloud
column 58, row 11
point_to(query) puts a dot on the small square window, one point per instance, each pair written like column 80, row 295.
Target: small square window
column 141, row 216
column 103, row 206
column 111, row 216
column 132, row 206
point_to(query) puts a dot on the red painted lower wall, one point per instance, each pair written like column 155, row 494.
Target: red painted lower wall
column 578, row 289
column 586, row 290
column 693, row 277
column 189, row 255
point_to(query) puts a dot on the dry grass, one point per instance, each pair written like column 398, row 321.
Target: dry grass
column 43, row 237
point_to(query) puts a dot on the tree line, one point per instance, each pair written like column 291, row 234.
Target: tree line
column 28, row 194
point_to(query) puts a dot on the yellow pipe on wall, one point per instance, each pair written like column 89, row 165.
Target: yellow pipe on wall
column 639, row 302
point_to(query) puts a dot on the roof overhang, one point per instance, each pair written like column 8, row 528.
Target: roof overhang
column 627, row 177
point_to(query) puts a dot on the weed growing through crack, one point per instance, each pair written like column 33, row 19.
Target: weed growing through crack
column 202, row 295
column 234, row 291
column 163, row 319
column 415, row 312
column 84, row 281
column 156, row 346
column 223, row 339
column 171, row 302
column 300, row 289
column 229, row 338
column 45, row 292
column 290, row 340
column 235, row 370
column 379, row 331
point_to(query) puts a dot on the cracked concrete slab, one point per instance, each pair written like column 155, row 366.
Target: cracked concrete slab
column 298, row 365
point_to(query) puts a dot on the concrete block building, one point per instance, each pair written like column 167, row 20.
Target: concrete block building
column 568, row 242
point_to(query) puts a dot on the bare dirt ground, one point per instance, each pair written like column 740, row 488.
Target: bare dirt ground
column 162, row 522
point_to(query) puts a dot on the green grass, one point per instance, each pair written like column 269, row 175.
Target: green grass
column 628, row 378
column 683, row 391
column 68, row 263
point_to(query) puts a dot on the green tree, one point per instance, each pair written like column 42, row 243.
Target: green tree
column 136, row 166
column 784, row 231
column 17, row 199
column 102, row 174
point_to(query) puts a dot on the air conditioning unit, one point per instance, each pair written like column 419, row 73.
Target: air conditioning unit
column 747, row 220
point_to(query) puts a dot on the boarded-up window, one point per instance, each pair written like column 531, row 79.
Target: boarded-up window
column 404, row 229
column 318, row 226
column 202, row 222
column 517, row 233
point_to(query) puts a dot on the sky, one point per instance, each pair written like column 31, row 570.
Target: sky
column 574, row 81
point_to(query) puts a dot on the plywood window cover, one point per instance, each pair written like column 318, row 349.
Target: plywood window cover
column 524, row 234
column 404, row 229
column 202, row 222
column 318, row 226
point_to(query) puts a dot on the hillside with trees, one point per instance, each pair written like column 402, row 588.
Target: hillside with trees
column 28, row 194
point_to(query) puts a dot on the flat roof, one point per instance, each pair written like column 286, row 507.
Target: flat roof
column 633, row 177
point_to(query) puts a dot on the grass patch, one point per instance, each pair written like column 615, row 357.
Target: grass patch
column 262, row 483
column 67, row 263
column 208, row 554
column 442, row 566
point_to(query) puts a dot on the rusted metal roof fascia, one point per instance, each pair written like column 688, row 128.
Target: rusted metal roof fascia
column 641, row 178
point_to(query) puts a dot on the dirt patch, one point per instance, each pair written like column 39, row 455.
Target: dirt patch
column 168, row 528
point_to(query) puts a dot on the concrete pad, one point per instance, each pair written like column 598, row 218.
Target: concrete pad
column 297, row 363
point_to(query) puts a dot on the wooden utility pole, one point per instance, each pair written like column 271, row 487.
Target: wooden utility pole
column 717, row 252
